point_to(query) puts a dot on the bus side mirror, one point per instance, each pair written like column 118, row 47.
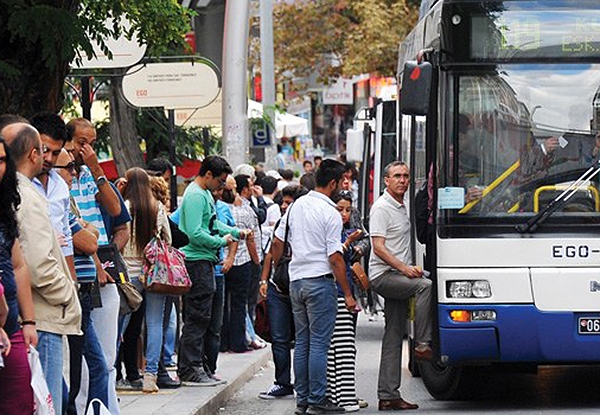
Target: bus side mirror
column 416, row 88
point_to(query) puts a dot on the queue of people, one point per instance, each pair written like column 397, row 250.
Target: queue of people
column 244, row 237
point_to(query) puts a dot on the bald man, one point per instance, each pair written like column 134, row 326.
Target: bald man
column 54, row 293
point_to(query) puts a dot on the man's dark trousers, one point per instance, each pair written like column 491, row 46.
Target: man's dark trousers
column 197, row 307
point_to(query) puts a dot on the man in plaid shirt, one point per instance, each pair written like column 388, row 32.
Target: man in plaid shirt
column 237, row 280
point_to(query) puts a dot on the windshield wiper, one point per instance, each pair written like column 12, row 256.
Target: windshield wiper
column 532, row 224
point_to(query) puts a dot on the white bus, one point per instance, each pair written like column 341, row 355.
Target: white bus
column 499, row 106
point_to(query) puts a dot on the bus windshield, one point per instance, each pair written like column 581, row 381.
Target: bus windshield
column 523, row 133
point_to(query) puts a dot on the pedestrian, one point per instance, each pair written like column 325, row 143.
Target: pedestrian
column 314, row 233
column 91, row 190
column 85, row 244
column 279, row 309
column 207, row 234
column 16, row 396
column 341, row 358
column 237, row 280
column 149, row 218
column 53, row 291
column 396, row 281
column 224, row 197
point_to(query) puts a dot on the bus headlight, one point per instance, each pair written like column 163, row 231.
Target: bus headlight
column 469, row 289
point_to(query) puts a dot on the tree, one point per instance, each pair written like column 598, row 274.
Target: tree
column 39, row 39
column 340, row 37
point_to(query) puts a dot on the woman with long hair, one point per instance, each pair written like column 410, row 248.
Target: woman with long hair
column 148, row 218
column 16, row 395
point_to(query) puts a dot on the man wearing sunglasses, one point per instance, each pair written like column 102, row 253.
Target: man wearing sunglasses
column 53, row 133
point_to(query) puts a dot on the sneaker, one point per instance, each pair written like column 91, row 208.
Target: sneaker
column 137, row 384
column 351, row 408
column 325, row 407
column 301, row 408
column 217, row 378
column 362, row 403
column 278, row 392
column 150, row 383
column 124, row 385
column 198, row 379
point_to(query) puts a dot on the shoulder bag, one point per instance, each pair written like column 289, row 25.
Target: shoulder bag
column 281, row 276
column 164, row 270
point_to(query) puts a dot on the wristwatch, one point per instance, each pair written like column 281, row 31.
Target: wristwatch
column 263, row 282
column 101, row 180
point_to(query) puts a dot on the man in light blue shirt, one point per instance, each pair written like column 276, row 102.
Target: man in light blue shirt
column 53, row 133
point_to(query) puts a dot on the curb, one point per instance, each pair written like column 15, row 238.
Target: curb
column 218, row 399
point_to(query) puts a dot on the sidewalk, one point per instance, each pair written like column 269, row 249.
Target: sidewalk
column 236, row 368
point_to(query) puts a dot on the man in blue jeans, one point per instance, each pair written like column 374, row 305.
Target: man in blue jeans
column 314, row 233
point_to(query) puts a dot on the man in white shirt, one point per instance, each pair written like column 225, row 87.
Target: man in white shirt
column 314, row 234
column 394, row 279
column 269, row 185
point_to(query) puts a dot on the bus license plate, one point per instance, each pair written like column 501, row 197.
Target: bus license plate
column 589, row 325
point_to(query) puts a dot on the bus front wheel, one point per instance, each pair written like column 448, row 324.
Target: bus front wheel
column 451, row 383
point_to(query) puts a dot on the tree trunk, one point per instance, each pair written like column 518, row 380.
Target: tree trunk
column 124, row 139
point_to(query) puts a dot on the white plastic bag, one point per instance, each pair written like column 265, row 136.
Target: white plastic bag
column 41, row 395
column 103, row 410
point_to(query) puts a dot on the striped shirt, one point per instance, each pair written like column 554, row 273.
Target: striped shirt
column 84, row 264
column 245, row 218
column 84, row 192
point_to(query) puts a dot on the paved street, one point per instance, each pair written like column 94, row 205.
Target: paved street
column 564, row 390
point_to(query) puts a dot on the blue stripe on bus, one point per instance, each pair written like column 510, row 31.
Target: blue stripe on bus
column 521, row 333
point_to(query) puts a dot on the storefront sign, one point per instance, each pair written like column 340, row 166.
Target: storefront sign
column 340, row 93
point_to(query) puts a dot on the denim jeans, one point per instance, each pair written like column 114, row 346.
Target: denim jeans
column 212, row 342
column 50, row 348
column 106, row 320
column 155, row 309
column 233, row 335
column 169, row 330
column 314, row 304
column 87, row 346
column 279, row 308
column 197, row 309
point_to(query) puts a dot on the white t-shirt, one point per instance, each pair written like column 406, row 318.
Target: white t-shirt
column 314, row 235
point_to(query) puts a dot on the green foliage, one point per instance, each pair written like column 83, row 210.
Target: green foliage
column 340, row 37
column 55, row 30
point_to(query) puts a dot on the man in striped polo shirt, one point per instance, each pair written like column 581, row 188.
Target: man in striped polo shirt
column 90, row 189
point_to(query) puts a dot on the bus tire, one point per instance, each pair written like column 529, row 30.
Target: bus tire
column 452, row 383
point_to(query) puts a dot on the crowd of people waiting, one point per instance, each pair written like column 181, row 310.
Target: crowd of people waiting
column 246, row 234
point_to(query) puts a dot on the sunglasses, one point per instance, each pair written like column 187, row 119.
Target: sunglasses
column 70, row 166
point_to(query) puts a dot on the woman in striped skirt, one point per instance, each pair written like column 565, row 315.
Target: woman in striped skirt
column 341, row 385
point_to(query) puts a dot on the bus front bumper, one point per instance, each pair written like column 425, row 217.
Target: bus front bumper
column 519, row 334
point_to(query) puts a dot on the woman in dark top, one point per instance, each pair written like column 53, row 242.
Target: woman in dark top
column 16, row 395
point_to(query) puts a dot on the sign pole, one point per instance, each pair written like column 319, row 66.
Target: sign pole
column 268, row 75
column 235, row 97
column 172, row 158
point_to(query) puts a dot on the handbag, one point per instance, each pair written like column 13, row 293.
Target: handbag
column 130, row 297
column 41, row 394
column 362, row 280
column 112, row 262
column 164, row 270
column 261, row 321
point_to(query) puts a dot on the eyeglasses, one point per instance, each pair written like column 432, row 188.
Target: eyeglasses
column 69, row 167
column 346, row 193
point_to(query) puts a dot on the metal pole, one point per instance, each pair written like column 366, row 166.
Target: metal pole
column 86, row 104
column 235, row 98
column 267, row 65
column 172, row 159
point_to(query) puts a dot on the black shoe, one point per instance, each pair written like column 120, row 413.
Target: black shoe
column 301, row 409
column 167, row 382
column 324, row 408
